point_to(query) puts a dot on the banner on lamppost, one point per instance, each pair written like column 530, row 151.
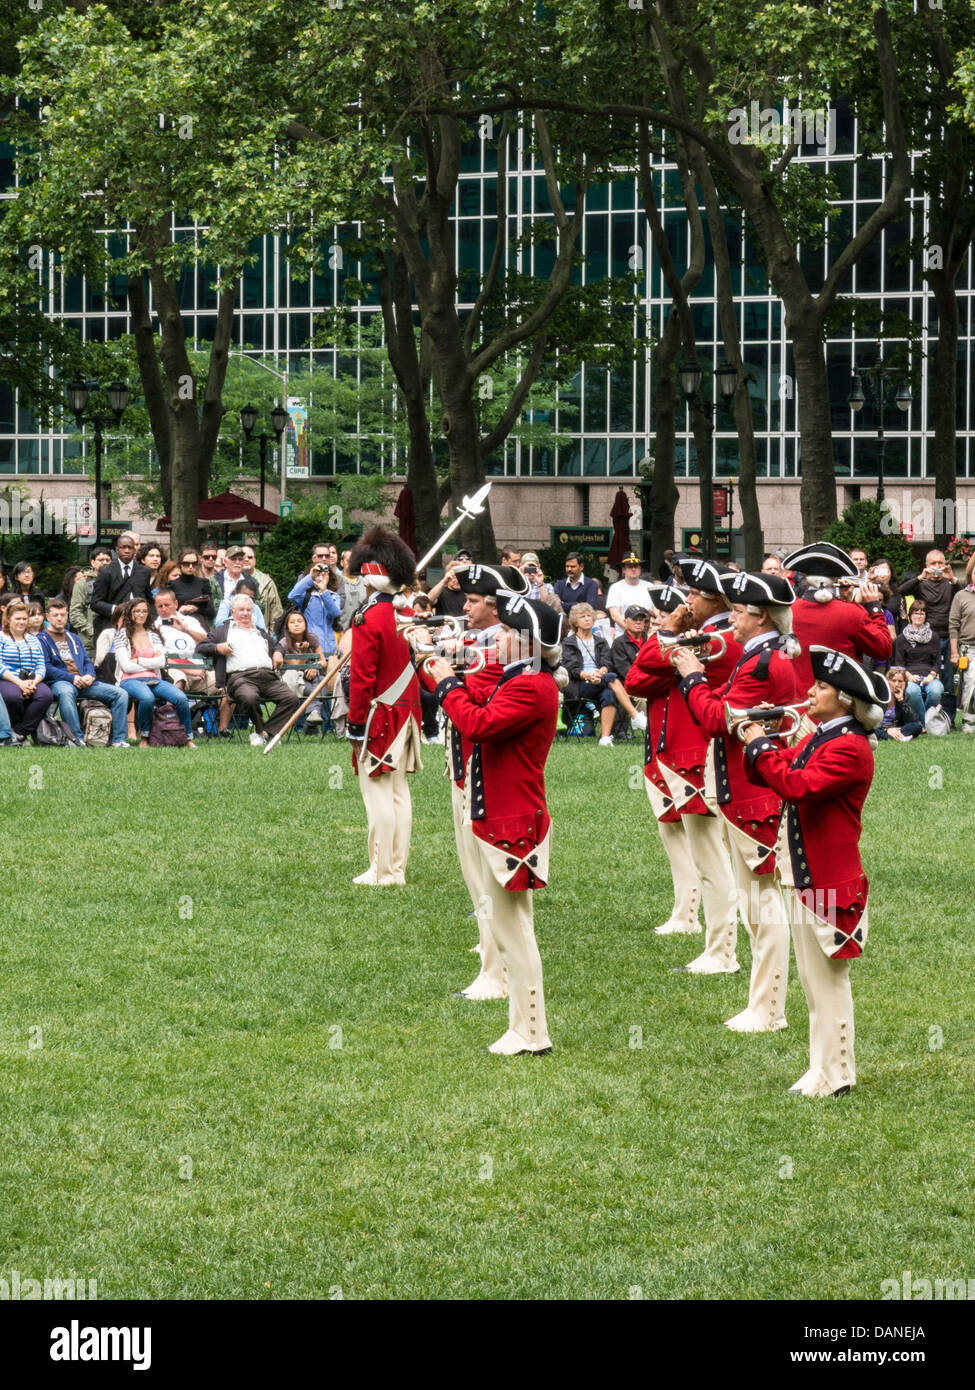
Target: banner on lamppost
column 297, row 446
column 81, row 516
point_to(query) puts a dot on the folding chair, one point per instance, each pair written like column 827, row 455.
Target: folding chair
column 296, row 661
column 204, row 704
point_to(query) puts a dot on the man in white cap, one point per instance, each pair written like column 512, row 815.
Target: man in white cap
column 761, row 622
column 824, row 781
column 510, row 729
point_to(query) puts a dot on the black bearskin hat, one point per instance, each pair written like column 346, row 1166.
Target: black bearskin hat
column 384, row 561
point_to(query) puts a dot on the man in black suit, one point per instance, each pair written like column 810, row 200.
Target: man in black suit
column 119, row 581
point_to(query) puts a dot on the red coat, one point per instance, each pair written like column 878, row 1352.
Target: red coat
column 479, row 684
column 510, row 728
column 762, row 674
column 824, row 780
column 673, row 737
column 854, row 629
column 380, row 663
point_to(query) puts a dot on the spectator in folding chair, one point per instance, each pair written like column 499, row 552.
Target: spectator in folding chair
column 297, row 640
column 243, row 663
column 586, row 658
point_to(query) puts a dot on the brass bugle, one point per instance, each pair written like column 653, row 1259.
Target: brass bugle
column 464, row 657
column 736, row 719
column 454, row 622
column 670, row 642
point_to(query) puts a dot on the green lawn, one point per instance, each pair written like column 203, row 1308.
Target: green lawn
column 253, row 1082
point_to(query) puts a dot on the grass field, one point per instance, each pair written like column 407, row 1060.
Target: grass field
column 230, row 1074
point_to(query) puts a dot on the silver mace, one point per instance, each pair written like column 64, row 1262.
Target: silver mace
column 470, row 507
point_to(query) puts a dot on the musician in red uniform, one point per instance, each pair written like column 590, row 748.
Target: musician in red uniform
column 821, row 619
column 384, row 706
column 480, row 585
column 681, row 754
column 651, row 677
column 761, row 622
column 510, row 729
column 824, row 781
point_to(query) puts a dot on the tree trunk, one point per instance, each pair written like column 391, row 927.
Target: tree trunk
column 945, row 406
column 751, row 520
column 664, row 495
column 461, row 430
column 421, row 474
column 153, row 390
column 817, row 494
column 412, row 380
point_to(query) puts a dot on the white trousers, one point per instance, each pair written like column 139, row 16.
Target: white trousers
column 389, row 814
column 709, row 852
column 492, row 966
column 763, row 912
column 826, row 985
column 509, row 918
column 673, row 836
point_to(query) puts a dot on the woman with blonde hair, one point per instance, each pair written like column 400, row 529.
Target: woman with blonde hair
column 587, row 660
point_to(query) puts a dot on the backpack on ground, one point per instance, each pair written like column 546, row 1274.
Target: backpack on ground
column 51, row 733
column 936, row 721
column 96, row 723
column 167, row 728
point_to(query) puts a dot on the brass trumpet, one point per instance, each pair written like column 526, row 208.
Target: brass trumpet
column 462, row 656
column 670, row 642
column 736, row 719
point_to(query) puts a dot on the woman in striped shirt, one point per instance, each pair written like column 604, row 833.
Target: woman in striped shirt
column 22, row 674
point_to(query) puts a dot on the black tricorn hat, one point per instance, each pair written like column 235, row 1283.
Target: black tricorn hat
column 669, row 598
column 488, row 579
column 822, row 558
column 529, row 615
column 759, row 590
column 842, row 672
column 705, row 574
column 383, row 560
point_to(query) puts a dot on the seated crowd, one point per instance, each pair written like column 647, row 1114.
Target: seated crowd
column 138, row 642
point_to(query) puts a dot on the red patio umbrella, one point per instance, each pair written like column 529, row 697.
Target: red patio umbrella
column 620, row 517
column 229, row 509
column 405, row 513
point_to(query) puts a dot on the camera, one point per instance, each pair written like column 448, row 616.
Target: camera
column 319, row 569
column 531, row 569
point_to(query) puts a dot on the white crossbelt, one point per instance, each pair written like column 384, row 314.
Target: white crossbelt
column 389, row 696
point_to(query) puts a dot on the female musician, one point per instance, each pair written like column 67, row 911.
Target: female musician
column 510, row 729
column 824, row 781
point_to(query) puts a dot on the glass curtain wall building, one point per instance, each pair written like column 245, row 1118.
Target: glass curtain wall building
column 610, row 413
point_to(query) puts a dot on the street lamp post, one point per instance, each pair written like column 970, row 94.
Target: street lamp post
column 78, row 393
column 248, row 419
column 877, row 375
column 691, row 375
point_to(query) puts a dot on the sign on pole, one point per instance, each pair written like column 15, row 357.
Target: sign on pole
column 297, row 447
column 286, row 507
